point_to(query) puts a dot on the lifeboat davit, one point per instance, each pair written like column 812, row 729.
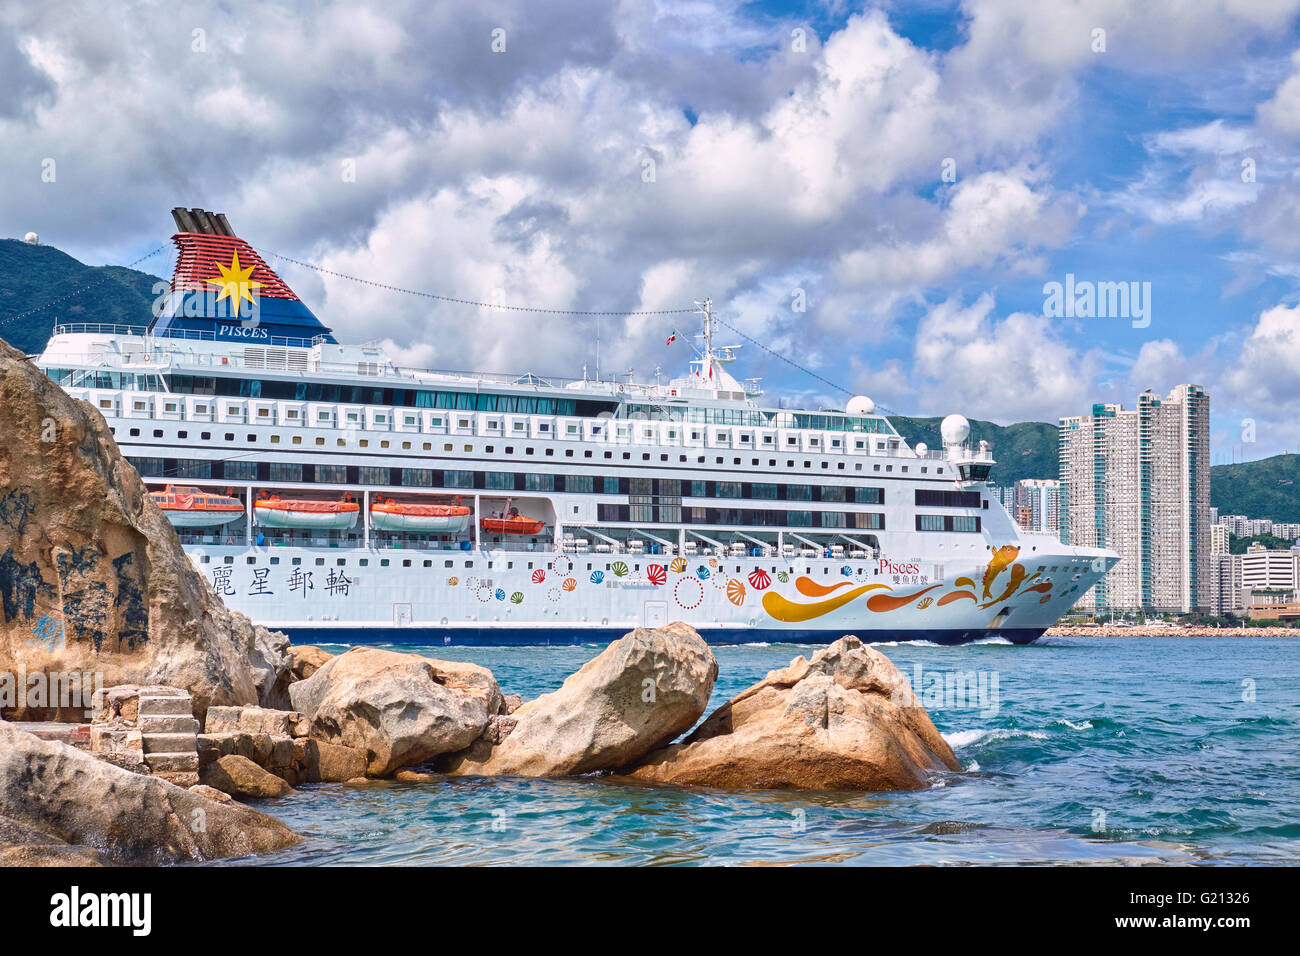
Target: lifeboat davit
column 187, row 507
column 512, row 524
column 277, row 512
column 393, row 515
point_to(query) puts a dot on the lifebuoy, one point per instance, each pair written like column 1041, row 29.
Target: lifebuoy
column 230, row 541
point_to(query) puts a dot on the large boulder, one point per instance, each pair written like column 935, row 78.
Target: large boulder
column 641, row 692
column 307, row 659
column 92, row 576
column 399, row 709
column 845, row 720
column 240, row 777
column 69, row 796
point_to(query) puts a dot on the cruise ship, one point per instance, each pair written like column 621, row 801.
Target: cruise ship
column 329, row 493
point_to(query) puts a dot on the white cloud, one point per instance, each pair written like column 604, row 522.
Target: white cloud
column 1015, row 368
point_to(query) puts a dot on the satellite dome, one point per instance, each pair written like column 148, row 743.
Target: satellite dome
column 32, row 239
column 955, row 429
column 921, row 449
column 860, row 405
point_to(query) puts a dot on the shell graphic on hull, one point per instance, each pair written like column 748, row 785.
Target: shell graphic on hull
column 736, row 592
column 656, row 575
column 619, row 568
column 569, row 584
column 539, row 576
column 759, row 579
column 677, row 565
column 597, row 577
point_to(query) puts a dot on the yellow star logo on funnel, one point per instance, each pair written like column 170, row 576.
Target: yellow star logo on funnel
column 235, row 283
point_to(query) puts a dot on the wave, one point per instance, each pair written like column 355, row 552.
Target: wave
column 969, row 738
column 992, row 640
column 903, row 644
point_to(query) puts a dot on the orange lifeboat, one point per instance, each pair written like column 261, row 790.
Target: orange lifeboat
column 513, row 523
column 277, row 512
column 390, row 515
column 188, row 507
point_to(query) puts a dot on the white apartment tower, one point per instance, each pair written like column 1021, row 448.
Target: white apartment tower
column 1138, row 481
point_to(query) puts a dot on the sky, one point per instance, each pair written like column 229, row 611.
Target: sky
column 882, row 193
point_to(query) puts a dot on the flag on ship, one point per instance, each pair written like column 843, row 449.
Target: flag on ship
column 672, row 338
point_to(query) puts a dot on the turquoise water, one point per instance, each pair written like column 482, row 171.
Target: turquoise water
column 1105, row 750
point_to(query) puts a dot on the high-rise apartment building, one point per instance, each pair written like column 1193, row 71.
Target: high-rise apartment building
column 1138, row 481
column 1042, row 499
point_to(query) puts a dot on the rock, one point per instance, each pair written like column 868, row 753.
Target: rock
column 415, row 776
column 80, row 800
column 400, row 709
column 93, row 577
column 240, row 777
column 512, row 703
column 307, row 659
column 26, row 845
column 845, row 720
column 358, row 781
column 638, row 694
column 212, row 793
column 272, row 667
column 252, row 720
column 329, row 763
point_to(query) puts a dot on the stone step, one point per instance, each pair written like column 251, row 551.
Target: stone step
column 168, row 724
column 170, row 743
column 172, row 763
column 160, row 706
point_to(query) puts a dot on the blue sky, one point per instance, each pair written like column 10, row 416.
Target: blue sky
column 640, row 155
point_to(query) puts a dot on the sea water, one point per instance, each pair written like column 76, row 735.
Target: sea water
column 1096, row 750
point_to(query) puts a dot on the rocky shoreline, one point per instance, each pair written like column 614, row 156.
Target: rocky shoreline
column 1103, row 630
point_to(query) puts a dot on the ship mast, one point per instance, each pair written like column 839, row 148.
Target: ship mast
column 706, row 310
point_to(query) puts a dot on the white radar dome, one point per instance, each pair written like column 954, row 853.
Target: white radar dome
column 955, row 429
column 860, row 405
column 921, row 449
column 32, row 239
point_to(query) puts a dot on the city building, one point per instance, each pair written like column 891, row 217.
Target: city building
column 1226, row 594
column 1219, row 539
column 1262, row 568
column 1138, row 481
column 1041, row 497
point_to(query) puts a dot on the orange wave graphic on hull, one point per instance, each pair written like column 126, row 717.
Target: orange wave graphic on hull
column 789, row 612
column 881, row 603
column 955, row 596
column 810, row 588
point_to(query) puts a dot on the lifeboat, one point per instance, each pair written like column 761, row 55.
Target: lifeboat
column 187, row 507
column 277, row 512
column 513, row 523
column 390, row 515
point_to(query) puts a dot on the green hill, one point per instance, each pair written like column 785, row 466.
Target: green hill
column 1267, row 488
column 1023, row 450
column 32, row 276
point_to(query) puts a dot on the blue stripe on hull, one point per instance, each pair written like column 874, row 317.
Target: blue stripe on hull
column 543, row 637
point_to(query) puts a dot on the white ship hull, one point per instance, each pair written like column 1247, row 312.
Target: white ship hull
column 331, row 596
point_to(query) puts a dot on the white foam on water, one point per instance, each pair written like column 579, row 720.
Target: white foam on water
column 968, row 738
column 1086, row 725
column 992, row 640
column 973, row 766
column 903, row 644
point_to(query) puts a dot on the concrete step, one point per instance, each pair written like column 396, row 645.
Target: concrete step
column 159, row 706
column 172, row 763
column 170, row 743
column 168, row 724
